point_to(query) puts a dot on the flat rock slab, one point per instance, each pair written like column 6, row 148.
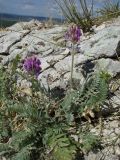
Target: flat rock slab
column 48, row 77
column 65, row 64
column 102, row 44
column 108, row 65
column 9, row 40
column 33, row 24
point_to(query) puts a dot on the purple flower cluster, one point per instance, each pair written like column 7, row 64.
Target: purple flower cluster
column 32, row 65
column 73, row 34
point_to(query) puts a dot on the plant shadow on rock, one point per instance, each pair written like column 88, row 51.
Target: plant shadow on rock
column 88, row 67
column 118, row 49
column 57, row 93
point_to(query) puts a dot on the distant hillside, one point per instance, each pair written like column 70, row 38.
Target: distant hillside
column 9, row 19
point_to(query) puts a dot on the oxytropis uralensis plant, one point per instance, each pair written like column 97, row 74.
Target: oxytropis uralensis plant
column 35, row 126
column 73, row 35
column 32, row 65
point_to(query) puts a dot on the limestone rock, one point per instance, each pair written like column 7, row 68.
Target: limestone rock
column 31, row 25
column 108, row 65
column 9, row 40
column 99, row 28
column 97, row 52
column 48, row 77
column 100, row 155
column 102, row 44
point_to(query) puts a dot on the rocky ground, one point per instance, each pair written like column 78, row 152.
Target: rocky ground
column 98, row 50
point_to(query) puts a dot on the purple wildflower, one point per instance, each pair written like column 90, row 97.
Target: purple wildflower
column 32, row 65
column 73, row 34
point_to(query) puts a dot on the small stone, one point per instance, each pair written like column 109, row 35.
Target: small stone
column 93, row 130
column 114, row 124
column 48, row 52
column 117, row 150
column 75, row 137
column 106, row 132
column 117, row 131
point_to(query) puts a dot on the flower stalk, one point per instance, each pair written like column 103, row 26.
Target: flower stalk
column 72, row 67
column 73, row 35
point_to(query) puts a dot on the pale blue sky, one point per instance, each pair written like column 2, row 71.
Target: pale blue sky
column 27, row 7
column 34, row 7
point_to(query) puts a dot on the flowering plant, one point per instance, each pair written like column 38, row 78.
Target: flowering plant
column 73, row 35
column 32, row 65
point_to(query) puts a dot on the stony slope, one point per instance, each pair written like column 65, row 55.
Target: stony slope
column 97, row 50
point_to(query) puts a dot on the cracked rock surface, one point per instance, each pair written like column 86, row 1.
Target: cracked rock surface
column 98, row 50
